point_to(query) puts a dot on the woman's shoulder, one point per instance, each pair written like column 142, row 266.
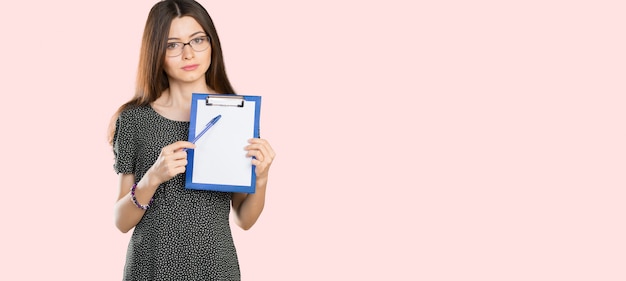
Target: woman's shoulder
column 135, row 112
column 135, row 116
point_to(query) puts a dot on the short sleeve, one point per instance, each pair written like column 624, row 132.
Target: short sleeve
column 124, row 145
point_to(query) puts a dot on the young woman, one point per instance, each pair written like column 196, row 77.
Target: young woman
column 179, row 234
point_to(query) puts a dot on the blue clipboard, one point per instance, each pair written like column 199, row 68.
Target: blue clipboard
column 219, row 160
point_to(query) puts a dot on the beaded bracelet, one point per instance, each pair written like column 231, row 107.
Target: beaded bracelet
column 132, row 197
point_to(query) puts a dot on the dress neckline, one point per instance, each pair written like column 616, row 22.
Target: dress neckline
column 165, row 118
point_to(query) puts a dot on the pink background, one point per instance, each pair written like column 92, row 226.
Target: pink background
column 416, row 140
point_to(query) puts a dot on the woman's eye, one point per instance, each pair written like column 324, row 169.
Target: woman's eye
column 172, row 46
column 198, row 40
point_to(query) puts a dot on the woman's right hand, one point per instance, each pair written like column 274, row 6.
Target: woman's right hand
column 171, row 162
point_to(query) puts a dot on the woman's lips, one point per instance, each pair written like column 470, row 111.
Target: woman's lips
column 190, row 67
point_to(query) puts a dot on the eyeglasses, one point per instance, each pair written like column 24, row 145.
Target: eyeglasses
column 198, row 44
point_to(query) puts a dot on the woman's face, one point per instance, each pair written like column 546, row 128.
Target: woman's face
column 188, row 54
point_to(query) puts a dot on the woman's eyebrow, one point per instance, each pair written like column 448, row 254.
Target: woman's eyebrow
column 192, row 35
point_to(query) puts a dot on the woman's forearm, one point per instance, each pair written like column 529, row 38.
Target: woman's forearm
column 127, row 214
column 251, row 205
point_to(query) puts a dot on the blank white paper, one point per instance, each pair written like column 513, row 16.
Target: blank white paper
column 219, row 156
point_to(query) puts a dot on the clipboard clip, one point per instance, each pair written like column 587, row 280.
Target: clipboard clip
column 225, row 100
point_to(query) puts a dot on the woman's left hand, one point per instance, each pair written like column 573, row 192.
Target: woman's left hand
column 263, row 155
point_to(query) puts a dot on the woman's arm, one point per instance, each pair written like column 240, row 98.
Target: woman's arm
column 248, row 207
column 171, row 162
column 127, row 214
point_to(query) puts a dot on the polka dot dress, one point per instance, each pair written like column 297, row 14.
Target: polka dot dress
column 185, row 234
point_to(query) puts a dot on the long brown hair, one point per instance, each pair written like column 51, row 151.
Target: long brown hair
column 151, row 77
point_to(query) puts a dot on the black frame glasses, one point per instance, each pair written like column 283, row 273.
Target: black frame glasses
column 174, row 51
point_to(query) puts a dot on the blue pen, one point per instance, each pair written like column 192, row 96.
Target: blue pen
column 208, row 126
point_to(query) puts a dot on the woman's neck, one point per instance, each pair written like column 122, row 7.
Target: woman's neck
column 175, row 102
